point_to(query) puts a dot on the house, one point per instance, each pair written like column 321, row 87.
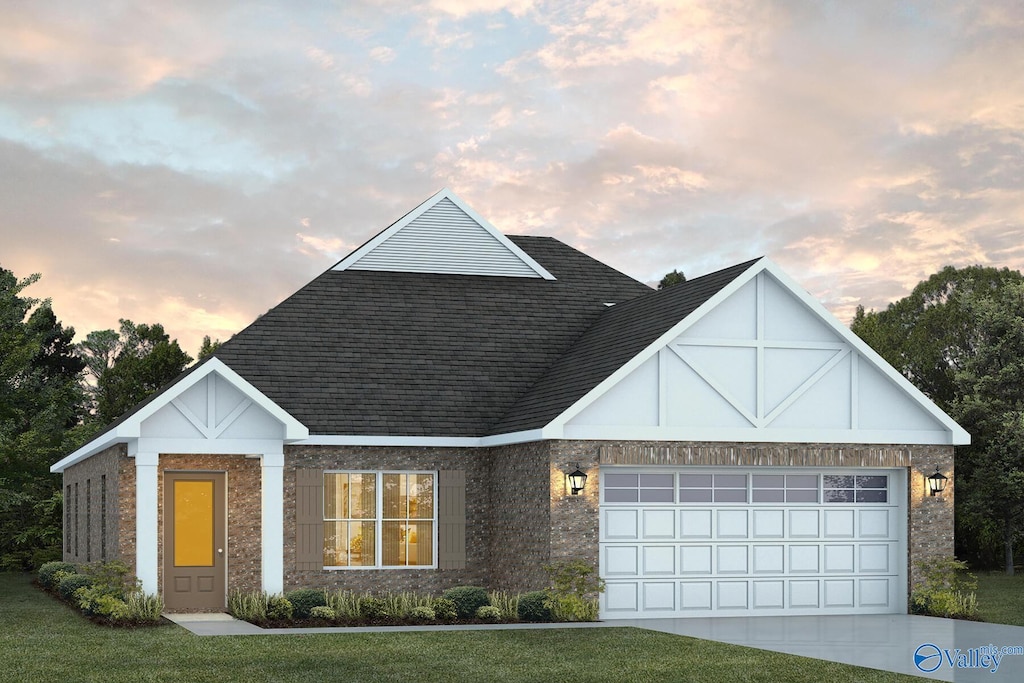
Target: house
column 408, row 419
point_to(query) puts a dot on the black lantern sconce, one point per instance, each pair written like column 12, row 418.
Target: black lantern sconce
column 577, row 479
column 937, row 482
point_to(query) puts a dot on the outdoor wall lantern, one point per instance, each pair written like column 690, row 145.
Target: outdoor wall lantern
column 577, row 479
column 937, row 482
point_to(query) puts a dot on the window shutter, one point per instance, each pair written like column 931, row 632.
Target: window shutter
column 451, row 519
column 309, row 518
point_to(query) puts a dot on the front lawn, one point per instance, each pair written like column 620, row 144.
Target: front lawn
column 43, row 640
column 1001, row 598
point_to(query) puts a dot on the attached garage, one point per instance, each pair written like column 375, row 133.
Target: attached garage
column 692, row 541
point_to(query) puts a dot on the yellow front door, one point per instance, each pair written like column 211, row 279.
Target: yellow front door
column 194, row 536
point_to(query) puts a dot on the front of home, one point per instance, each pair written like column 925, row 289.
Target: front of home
column 408, row 419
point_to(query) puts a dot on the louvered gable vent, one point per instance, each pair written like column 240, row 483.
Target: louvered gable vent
column 444, row 235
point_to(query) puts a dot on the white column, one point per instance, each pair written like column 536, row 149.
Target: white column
column 146, row 521
column 272, row 522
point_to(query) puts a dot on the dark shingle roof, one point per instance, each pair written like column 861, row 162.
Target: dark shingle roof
column 622, row 331
column 412, row 354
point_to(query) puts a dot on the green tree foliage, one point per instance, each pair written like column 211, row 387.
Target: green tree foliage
column 208, row 348
column 673, row 278
column 127, row 366
column 990, row 404
column 951, row 337
column 40, row 409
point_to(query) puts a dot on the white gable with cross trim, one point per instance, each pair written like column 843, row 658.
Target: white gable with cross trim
column 760, row 361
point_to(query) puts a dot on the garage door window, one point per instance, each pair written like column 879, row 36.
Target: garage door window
column 785, row 488
column 642, row 488
column 855, row 488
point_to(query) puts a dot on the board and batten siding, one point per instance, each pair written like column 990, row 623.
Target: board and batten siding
column 309, row 519
column 444, row 239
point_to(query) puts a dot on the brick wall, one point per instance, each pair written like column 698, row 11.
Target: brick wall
column 91, row 508
column 472, row 461
column 244, row 546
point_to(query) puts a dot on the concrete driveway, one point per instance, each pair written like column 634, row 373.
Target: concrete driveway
column 887, row 641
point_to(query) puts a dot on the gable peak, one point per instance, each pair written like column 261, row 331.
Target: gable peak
column 444, row 235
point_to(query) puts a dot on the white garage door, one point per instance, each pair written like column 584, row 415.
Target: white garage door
column 718, row 542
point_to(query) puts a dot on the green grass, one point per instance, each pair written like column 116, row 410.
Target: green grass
column 1001, row 598
column 42, row 640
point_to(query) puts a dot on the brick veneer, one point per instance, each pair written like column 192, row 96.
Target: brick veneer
column 94, row 543
column 519, row 512
column 478, row 528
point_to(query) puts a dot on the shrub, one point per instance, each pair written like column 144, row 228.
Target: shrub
column 47, row 573
column 535, row 606
column 401, row 605
column 373, row 609
column 143, row 608
column 508, row 603
column 445, row 610
column 346, row 604
column 322, row 612
column 251, row 607
column 68, row 584
column 422, row 614
column 96, row 602
column 305, row 599
column 574, row 608
column 113, row 578
column 489, row 613
column 279, row 608
column 947, row 590
column 467, row 599
column 573, row 592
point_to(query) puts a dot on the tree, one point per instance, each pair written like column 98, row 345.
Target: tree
column 208, row 348
column 674, row 278
column 990, row 404
column 127, row 366
column 40, row 407
column 941, row 338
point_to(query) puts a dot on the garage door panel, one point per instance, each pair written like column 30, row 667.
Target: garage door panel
column 695, row 595
column 839, row 558
column 804, row 524
column 839, row 593
column 796, row 557
column 769, row 559
column 733, row 595
column 876, row 524
column 805, row 594
column 731, row 524
column 838, row 523
column 732, row 559
column 805, row 558
column 658, row 524
column 620, row 524
column 769, row 595
column 768, row 523
column 694, row 524
column 659, row 560
column 695, row 559
column 621, row 560
column 659, row 596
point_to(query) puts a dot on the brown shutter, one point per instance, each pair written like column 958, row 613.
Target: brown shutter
column 309, row 518
column 451, row 519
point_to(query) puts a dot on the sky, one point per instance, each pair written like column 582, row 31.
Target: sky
column 193, row 163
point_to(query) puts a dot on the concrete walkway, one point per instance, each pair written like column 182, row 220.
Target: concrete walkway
column 888, row 642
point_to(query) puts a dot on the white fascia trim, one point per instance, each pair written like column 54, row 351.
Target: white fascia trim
column 428, row 441
column 444, row 193
column 753, row 435
column 100, row 443
column 958, row 435
column 662, row 341
column 131, row 429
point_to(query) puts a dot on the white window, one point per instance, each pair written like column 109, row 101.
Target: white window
column 380, row 519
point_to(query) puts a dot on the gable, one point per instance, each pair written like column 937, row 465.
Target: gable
column 766, row 362
column 212, row 408
column 444, row 235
